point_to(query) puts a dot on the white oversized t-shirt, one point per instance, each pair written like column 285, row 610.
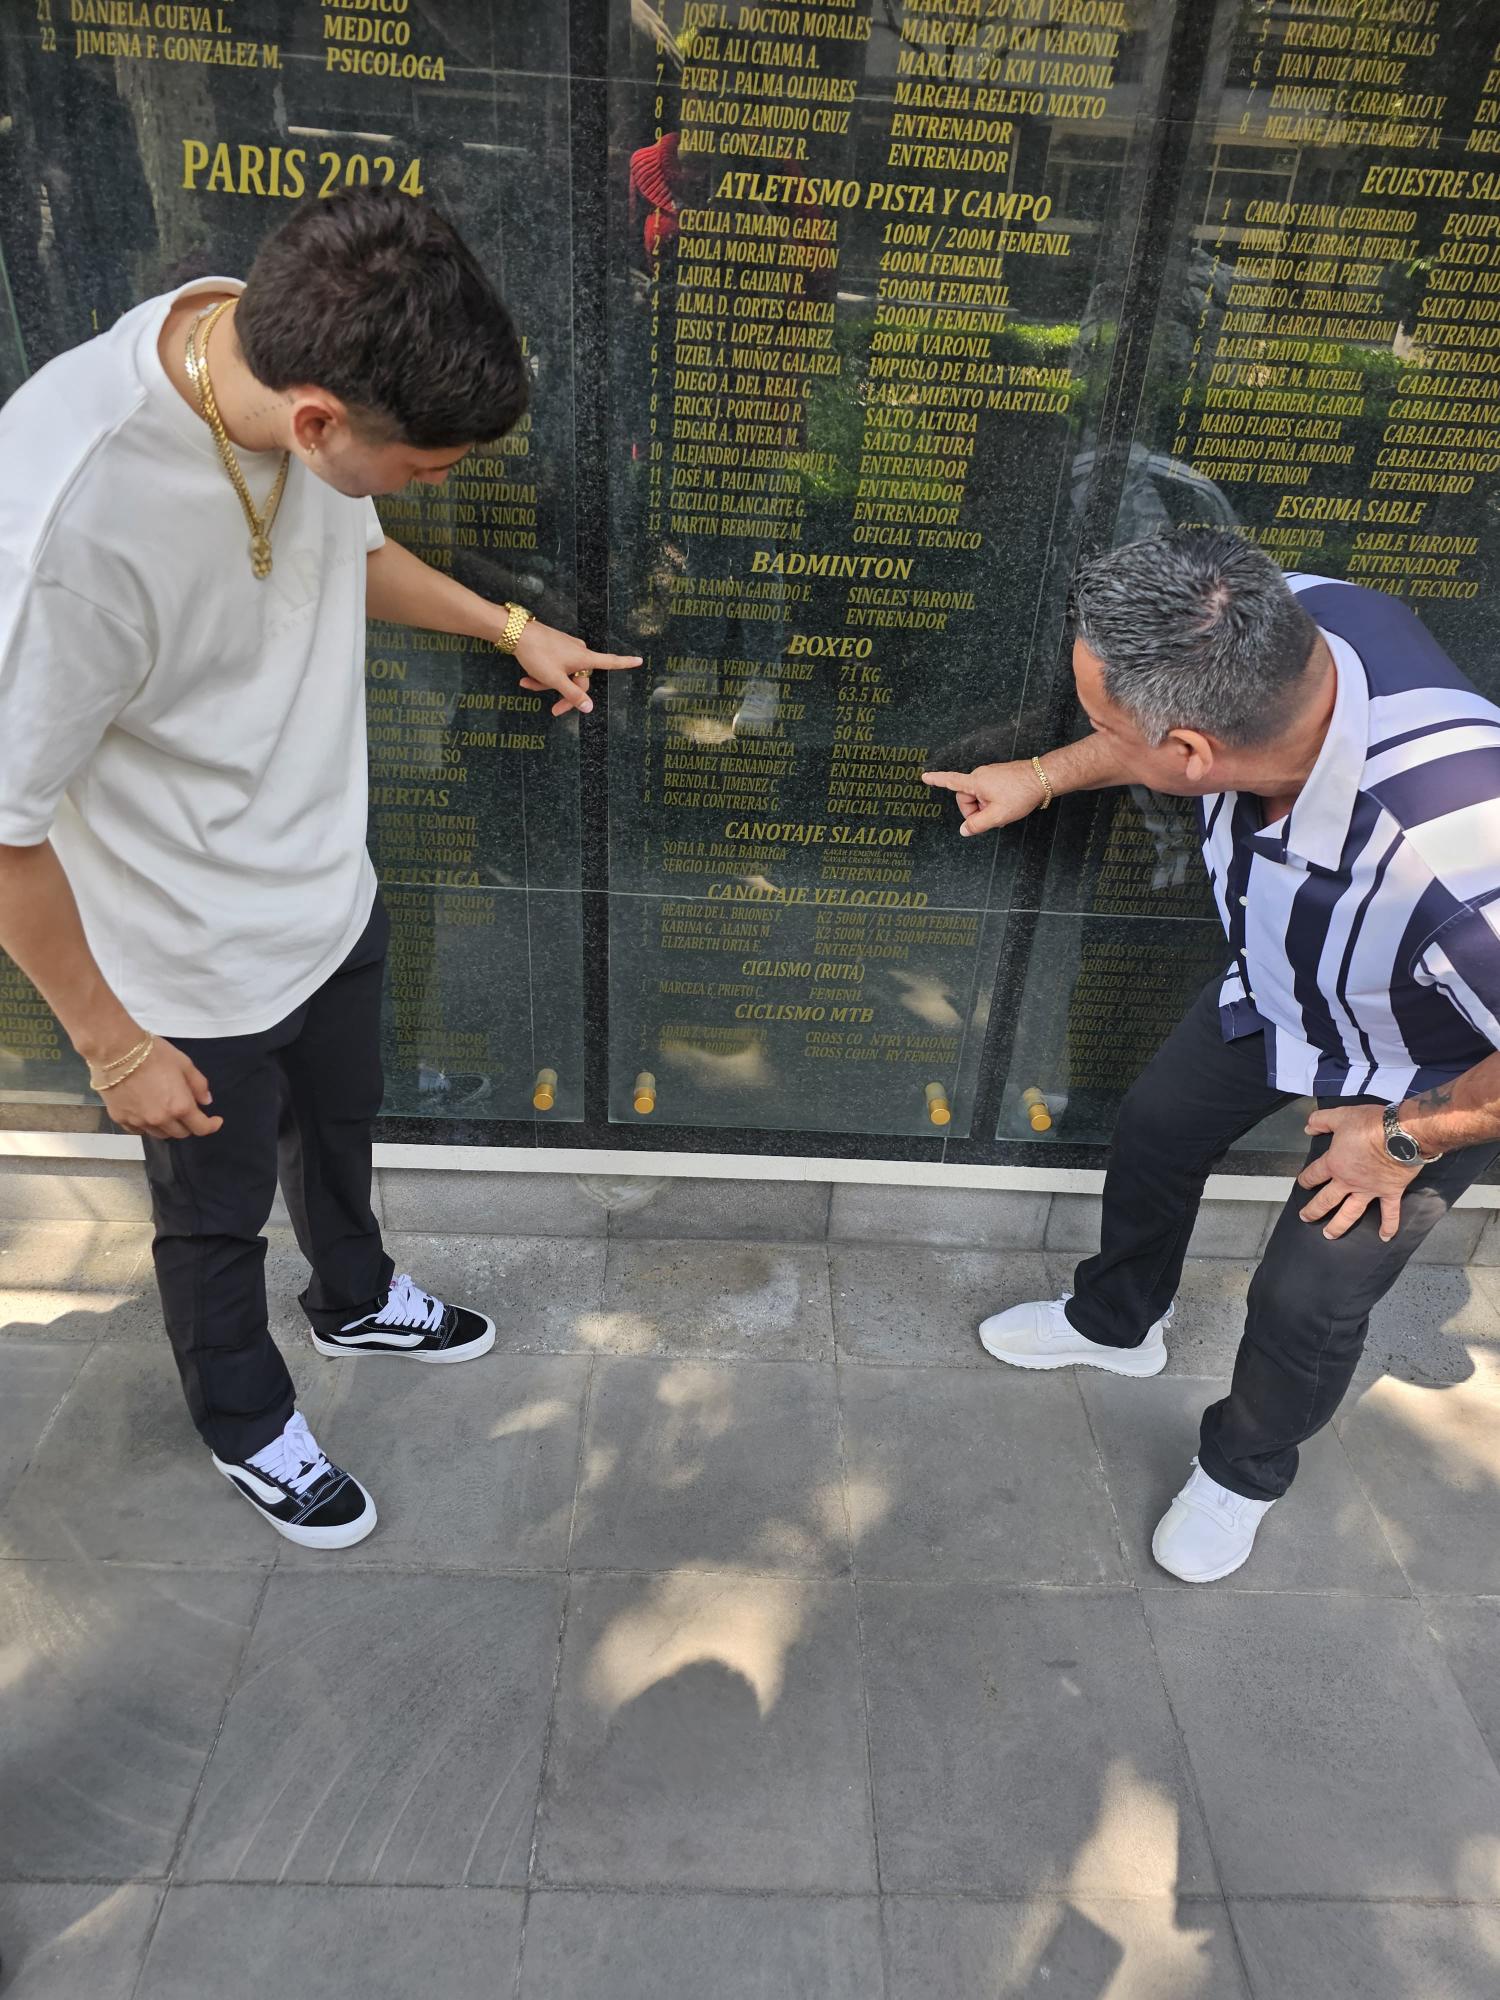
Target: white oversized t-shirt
column 192, row 738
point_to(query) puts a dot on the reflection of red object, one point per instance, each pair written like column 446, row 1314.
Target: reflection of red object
column 654, row 180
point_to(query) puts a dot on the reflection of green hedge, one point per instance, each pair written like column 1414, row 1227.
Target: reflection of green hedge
column 836, row 405
column 1379, row 368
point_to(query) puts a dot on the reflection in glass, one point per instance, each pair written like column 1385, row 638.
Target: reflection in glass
column 124, row 174
column 849, row 381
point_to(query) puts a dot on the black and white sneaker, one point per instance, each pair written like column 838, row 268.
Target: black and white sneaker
column 300, row 1493
column 413, row 1323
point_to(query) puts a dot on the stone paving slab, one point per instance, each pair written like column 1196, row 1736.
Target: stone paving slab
column 35, row 1375
column 904, row 1304
column 247, row 1941
column 709, row 1733
column 539, row 1291
column 1323, row 1536
column 386, row 1729
column 71, row 1941
column 1333, row 1752
column 1468, row 1630
column 1081, row 1948
column 954, row 1475
column 671, row 1613
column 1022, row 1743
column 705, row 1465
column 1370, row 1951
column 715, row 1300
column 756, row 1211
column 116, row 1679
column 1429, row 1458
column 122, row 1474
column 504, row 1431
column 83, row 1256
column 591, row 1944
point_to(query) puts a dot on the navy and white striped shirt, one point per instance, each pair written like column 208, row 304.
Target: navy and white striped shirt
column 1365, row 924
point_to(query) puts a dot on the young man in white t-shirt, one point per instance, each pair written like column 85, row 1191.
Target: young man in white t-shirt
column 188, row 552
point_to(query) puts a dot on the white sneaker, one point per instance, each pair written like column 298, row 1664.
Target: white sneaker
column 1207, row 1532
column 1040, row 1335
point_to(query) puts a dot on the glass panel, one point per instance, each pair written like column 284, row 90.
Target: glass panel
column 197, row 144
column 1101, row 995
column 1323, row 367
column 1126, row 939
column 774, row 1014
column 863, row 288
column 1320, row 376
column 464, row 1033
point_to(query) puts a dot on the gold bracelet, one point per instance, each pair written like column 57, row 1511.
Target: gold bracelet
column 517, row 620
column 101, row 1080
column 119, row 1062
column 1045, row 782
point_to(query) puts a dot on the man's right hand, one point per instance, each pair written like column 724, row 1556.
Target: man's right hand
column 994, row 795
column 163, row 1099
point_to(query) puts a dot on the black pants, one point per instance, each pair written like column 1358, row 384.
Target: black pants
column 1310, row 1300
column 298, row 1101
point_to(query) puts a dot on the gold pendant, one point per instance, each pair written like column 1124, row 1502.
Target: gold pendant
column 260, row 555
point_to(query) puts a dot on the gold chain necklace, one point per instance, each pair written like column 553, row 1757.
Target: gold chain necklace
column 197, row 368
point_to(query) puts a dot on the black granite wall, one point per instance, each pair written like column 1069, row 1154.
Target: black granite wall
column 852, row 327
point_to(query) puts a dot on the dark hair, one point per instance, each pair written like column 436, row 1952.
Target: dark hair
column 374, row 297
column 1196, row 630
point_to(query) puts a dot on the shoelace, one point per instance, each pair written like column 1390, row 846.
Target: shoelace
column 293, row 1459
column 409, row 1305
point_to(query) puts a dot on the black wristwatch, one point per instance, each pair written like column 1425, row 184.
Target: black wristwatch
column 1400, row 1144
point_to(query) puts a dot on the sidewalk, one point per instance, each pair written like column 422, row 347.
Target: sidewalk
column 740, row 1630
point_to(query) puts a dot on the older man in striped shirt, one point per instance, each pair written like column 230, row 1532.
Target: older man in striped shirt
column 1349, row 785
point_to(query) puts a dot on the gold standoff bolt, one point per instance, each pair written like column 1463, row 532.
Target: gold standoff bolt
column 1038, row 1115
column 644, row 1094
column 544, row 1090
column 939, row 1110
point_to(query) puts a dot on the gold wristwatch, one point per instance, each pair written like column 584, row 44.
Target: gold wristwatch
column 517, row 619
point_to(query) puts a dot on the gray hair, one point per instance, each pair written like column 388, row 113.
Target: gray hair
column 1196, row 630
